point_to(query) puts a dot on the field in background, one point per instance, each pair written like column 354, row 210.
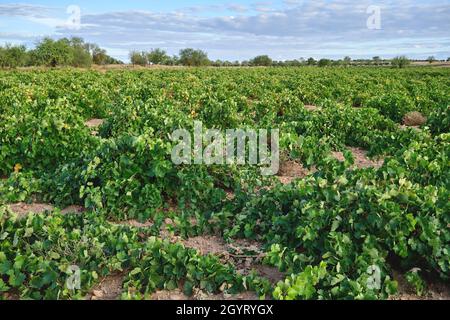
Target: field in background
column 103, row 68
column 445, row 64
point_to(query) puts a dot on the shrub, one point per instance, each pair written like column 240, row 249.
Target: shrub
column 400, row 62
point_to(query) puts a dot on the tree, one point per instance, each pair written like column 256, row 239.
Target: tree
column 191, row 57
column 111, row 60
column 431, row 59
column 400, row 62
column 157, row 56
column 81, row 56
column 98, row 54
column 263, row 60
column 293, row 63
column 3, row 59
column 324, row 62
column 172, row 61
column 62, row 52
column 217, row 63
column 52, row 53
column 311, row 62
column 448, row 59
column 347, row 60
column 13, row 56
column 277, row 63
column 138, row 58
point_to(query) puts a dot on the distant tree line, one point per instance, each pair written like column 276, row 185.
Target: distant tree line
column 52, row 53
column 193, row 57
column 78, row 53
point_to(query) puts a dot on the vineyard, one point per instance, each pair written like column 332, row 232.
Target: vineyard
column 358, row 210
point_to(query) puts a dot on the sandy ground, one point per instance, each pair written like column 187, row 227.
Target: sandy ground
column 427, row 64
column 93, row 124
column 361, row 159
column 109, row 288
column 291, row 170
column 311, row 108
column 22, row 209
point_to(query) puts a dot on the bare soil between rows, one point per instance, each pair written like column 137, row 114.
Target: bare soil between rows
column 23, row 209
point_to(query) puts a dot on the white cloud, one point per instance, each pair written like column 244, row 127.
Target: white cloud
column 24, row 10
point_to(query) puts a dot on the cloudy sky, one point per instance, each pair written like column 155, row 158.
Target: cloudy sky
column 239, row 29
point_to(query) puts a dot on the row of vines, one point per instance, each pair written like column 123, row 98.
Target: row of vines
column 324, row 231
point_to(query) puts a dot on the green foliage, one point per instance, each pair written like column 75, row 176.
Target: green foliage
column 163, row 266
column 158, row 56
column 19, row 187
column 414, row 279
column 51, row 53
column 394, row 106
column 311, row 61
column 302, row 285
column 13, row 56
column 400, row 62
column 44, row 136
column 439, row 120
column 261, row 61
column 81, row 56
column 36, row 253
column 324, row 63
column 329, row 232
column 131, row 171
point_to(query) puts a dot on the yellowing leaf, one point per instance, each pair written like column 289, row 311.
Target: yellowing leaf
column 17, row 167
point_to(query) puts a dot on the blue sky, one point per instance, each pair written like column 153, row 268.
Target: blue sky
column 240, row 29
